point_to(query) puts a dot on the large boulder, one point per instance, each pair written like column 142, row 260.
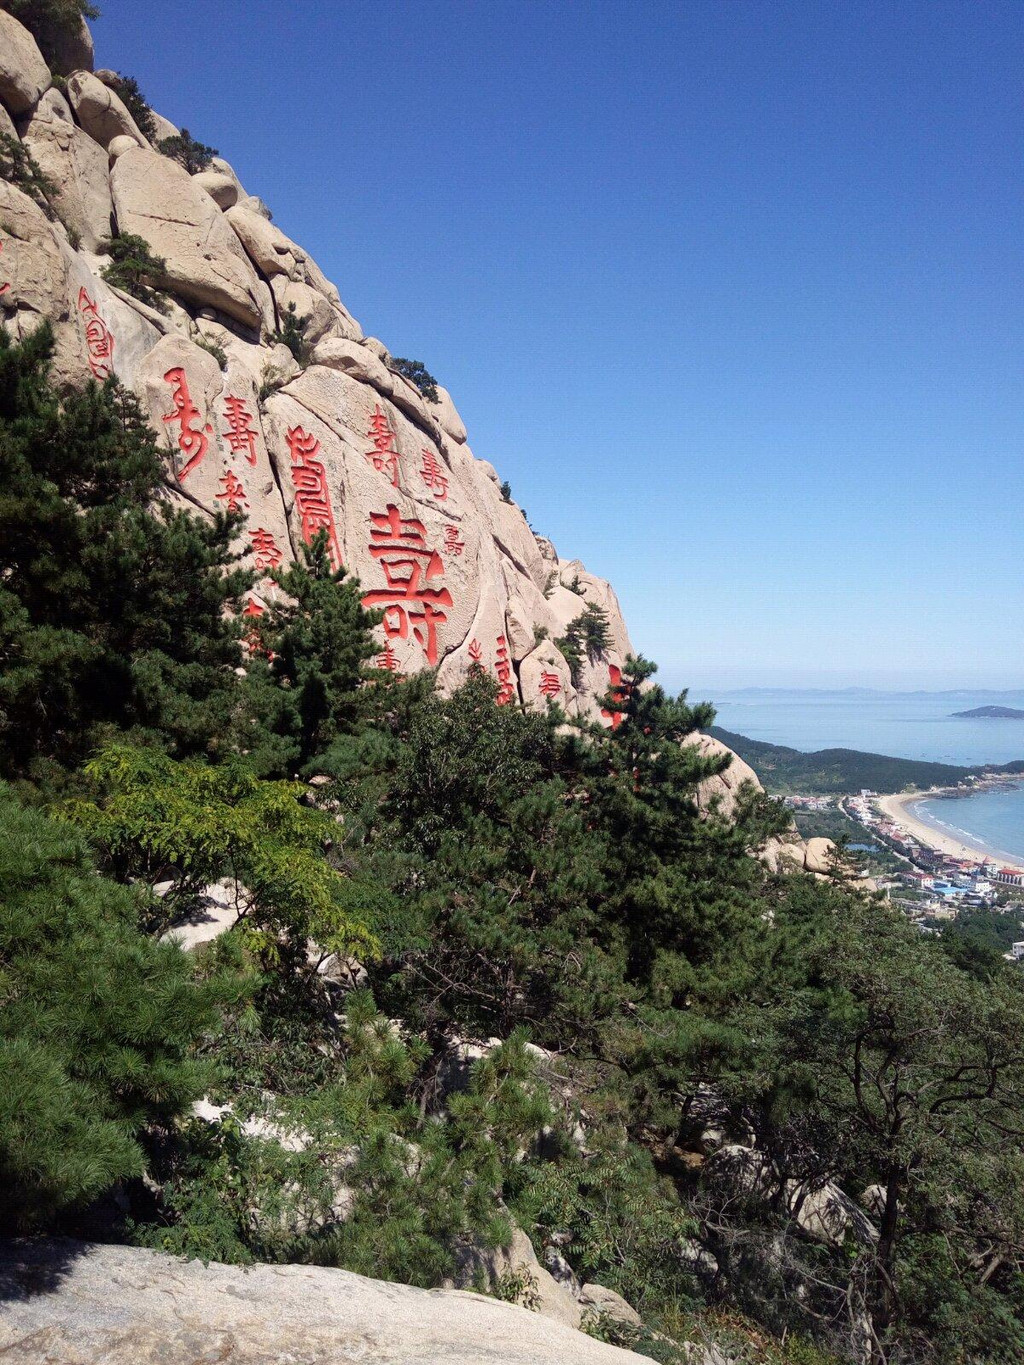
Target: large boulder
column 85, row 1304
column 515, row 1272
column 24, row 74
column 101, row 111
column 77, row 166
column 156, row 198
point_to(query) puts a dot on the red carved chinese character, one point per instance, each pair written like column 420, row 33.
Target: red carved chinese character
column 433, row 475
column 503, row 668
column 98, row 339
column 452, row 544
column 234, row 494
column 387, row 660
column 384, row 456
column 193, row 441
column 618, row 693
column 476, row 652
column 550, row 684
column 251, row 639
column 399, row 544
column 240, row 435
column 311, row 495
column 4, row 287
column 264, row 547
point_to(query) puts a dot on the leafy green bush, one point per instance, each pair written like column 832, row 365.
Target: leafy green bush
column 155, row 820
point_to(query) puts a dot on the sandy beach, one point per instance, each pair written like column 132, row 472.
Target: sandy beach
column 895, row 807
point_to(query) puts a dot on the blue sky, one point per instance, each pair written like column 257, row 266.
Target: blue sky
column 730, row 290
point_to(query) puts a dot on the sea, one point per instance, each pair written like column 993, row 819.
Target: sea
column 906, row 725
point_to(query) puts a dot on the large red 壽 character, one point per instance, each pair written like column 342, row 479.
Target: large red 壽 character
column 265, row 549
column 550, row 684
column 383, row 456
column 240, row 435
column 400, row 547
column 433, row 475
column 312, row 497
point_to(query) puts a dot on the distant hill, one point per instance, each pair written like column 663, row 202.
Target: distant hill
column 993, row 712
column 787, row 771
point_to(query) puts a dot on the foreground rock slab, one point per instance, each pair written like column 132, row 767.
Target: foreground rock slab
column 77, row 1303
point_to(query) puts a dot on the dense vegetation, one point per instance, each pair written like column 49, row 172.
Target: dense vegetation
column 693, row 1051
column 824, row 771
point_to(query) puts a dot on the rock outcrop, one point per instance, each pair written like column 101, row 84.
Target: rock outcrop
column 84, row 1304
column 321, row 434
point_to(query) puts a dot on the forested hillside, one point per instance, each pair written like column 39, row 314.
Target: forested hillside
column 306, row 960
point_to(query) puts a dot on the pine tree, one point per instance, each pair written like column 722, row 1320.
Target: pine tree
column 112, row 606
column 317, row 640
column 97, row 1024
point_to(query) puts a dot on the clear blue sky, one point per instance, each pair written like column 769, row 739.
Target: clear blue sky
column 730, row 290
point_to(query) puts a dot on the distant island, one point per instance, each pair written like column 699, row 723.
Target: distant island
column 990, row 712
column 785, row 771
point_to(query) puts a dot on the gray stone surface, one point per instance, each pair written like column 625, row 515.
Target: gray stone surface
column 73, row 1303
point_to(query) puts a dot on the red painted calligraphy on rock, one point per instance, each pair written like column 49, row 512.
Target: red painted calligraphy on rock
column 387, row 660
column 240, row 435
column 265, row 549
column 476, row 651
column 433, row 475
column 503, row 668
column 453, row 543
column 384, row 455
column 4, row 287
column 233, row 496
column 618, row 692
column 193, row 436
column 99, row 341
column 550, row 684
column 312, row 497
column 400, row 546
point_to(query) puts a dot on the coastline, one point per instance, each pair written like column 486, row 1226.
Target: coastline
column 895, row 807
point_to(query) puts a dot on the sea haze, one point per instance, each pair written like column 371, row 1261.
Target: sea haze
column 903, row 724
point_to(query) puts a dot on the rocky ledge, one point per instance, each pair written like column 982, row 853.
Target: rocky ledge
column 78, row 1303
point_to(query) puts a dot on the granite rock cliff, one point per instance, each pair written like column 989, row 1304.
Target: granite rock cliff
column 342, row 441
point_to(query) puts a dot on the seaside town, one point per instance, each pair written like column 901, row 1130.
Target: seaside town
column 933, row 878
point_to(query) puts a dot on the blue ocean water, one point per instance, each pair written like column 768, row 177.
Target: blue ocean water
column 993, row 820
column 903, row 724
column 906, row 725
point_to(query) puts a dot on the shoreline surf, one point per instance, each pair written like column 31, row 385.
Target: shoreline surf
column 956, row 842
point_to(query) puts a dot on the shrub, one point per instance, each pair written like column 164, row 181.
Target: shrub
column 127, row 88
column 50, row 21
column 133, row 267
column 18, row 166
column 292, row 333
column 183, row 148
column 418, row 374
